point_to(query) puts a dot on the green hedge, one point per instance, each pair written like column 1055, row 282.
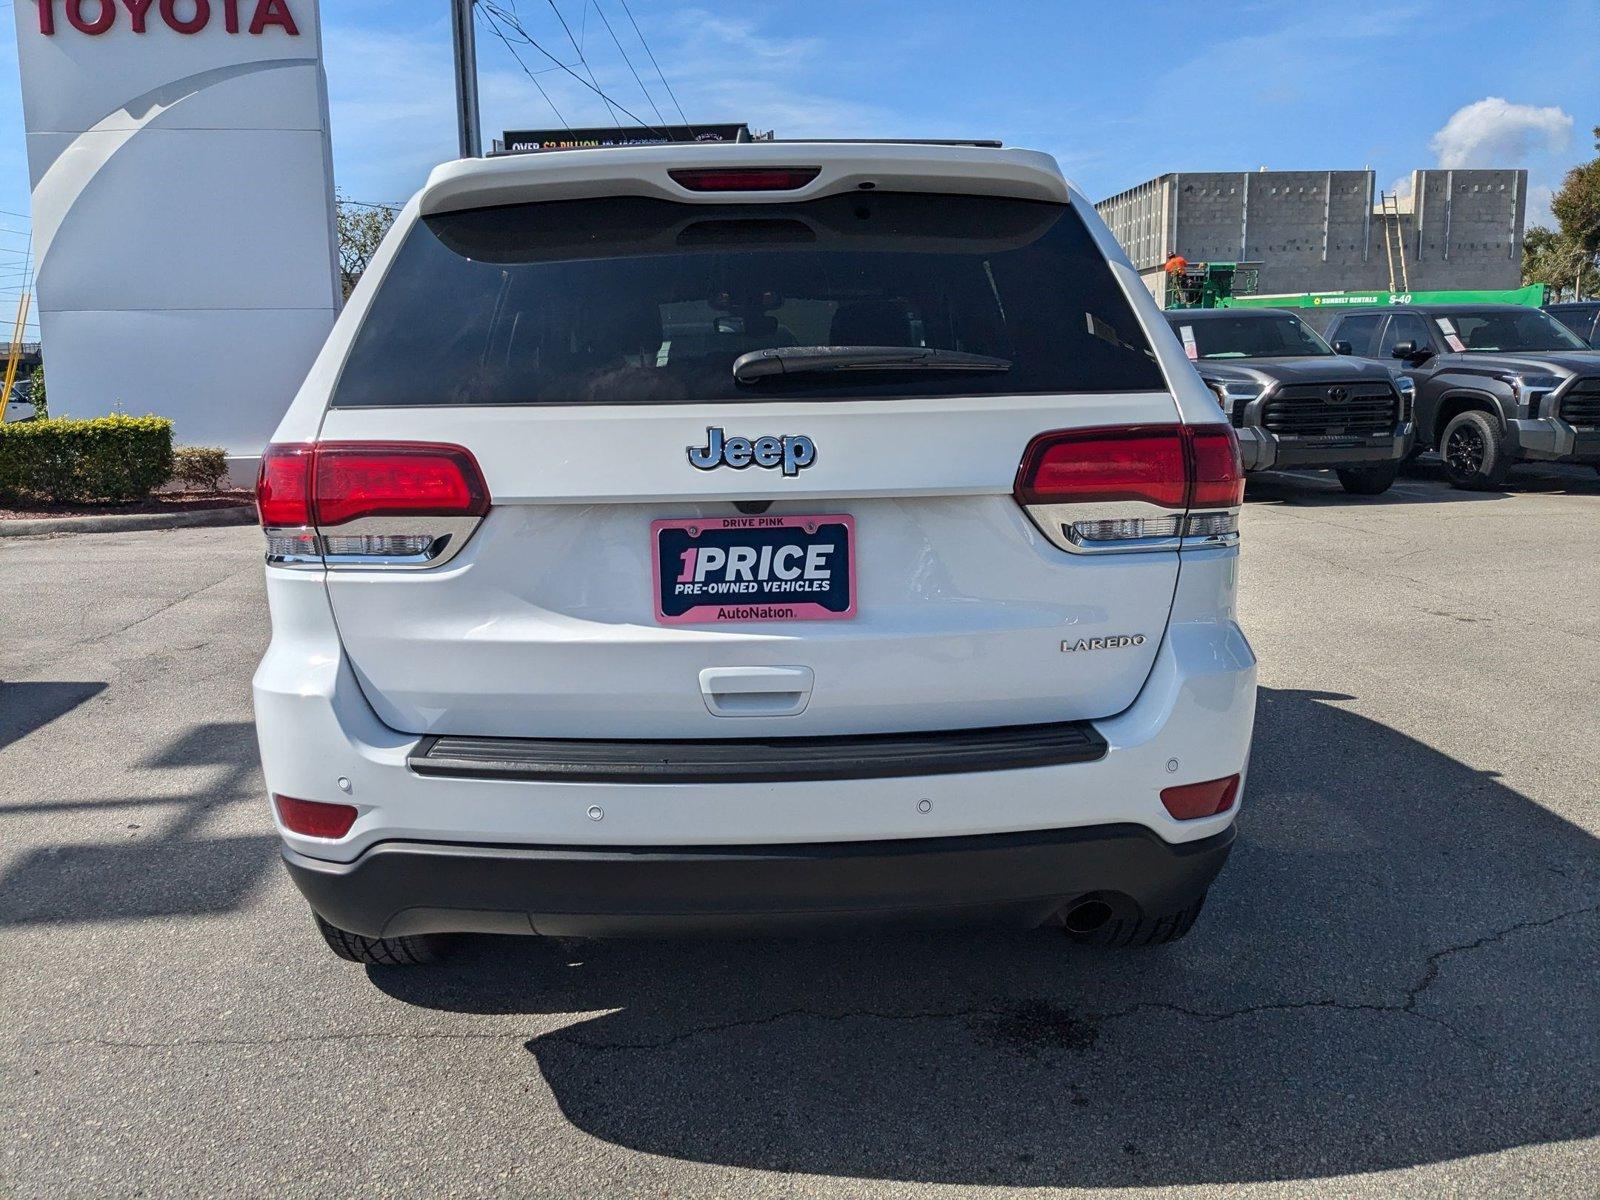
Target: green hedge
column 63, row 461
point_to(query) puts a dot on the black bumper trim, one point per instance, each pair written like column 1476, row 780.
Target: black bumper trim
column 759, row 760
column 402, row 888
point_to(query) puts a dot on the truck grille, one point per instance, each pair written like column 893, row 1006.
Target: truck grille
column 1581, row 404
column 1312, row 410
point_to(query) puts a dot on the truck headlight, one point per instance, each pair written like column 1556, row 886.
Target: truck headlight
column 1529, row 390
column 1233, row 396
column 1408, row 397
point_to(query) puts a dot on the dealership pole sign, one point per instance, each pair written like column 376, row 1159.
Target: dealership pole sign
column 202, row 124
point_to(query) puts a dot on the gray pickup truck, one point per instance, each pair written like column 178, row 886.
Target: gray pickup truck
column 1496, row 384
column 1294, row 402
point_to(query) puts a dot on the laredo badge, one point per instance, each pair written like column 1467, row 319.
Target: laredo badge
column 1105, row 643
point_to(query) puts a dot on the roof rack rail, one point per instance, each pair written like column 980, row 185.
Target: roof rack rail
column 500, row 151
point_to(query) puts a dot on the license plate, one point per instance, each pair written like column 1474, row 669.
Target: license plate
column 729, row 569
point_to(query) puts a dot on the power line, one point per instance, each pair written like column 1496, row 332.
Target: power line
column 494, row 11
column 579, row 49
column 683, row 115
column 494, row 26
column 648, row 97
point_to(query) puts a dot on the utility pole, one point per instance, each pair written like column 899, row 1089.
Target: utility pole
column 466, row 47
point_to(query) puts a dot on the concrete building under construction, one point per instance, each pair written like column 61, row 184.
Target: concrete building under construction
column 1329, row 231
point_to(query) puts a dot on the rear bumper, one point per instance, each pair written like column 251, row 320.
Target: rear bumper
column 1026, row 879
column 1263, row 450
column 321, row 740
column 1548, row 439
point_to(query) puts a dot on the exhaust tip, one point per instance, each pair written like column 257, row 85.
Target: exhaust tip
column 1086, row 916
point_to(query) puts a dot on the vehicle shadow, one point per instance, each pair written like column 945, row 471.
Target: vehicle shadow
column 1396, row 968
column 1573, row 478
column 1422, row 481
column 1321, row 489
column 162, row 867
column 25, row 707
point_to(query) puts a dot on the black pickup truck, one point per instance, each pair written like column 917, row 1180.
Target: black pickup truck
column 1293, row 401
column 1496, row 384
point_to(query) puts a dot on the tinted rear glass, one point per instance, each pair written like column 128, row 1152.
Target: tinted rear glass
column 636, row 300
column 1498, row 331
column 1357, row 331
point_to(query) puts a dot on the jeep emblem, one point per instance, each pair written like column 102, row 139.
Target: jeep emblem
column 793, row 454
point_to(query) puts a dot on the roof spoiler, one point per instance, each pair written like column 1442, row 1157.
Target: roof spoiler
column 962, row 168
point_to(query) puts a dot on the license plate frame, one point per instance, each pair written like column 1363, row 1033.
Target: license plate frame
column 837, row 602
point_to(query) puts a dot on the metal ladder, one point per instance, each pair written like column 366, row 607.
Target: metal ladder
column 1394, row 242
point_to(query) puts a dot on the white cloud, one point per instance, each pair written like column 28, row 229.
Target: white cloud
column 1493, row 132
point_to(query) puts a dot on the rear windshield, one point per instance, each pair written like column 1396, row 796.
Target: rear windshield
column 1505, row 332
column 636, row 300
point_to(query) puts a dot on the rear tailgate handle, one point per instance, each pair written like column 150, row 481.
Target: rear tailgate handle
column 756, row 691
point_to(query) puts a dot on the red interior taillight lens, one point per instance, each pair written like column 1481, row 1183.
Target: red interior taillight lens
column 1105, row 465
column 283, row 486
column 314, row 818
column 381, row 479
column 744, row 179
column 1190, row 801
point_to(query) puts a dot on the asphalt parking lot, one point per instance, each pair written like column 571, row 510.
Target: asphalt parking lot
column 1393, row 992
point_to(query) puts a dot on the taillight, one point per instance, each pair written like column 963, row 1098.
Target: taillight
column 315, row 818
column 1191, row 801
column 370, row 504
column 386, row 479
column 744, row 179
column 1134, row 487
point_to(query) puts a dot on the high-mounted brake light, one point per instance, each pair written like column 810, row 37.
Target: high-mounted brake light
column 1133, row 487
column 371, row 504
column 744, row 179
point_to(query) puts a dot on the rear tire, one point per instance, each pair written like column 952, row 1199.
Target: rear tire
column 1368, row 481
column 1155, row 930
column 381, row 952
column 1474, row 452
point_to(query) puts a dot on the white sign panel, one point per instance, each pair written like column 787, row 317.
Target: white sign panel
column 182, row 206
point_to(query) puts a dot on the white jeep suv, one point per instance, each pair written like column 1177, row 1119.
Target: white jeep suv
column 758, row 536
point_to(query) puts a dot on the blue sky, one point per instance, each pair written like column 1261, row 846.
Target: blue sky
column 1117, row 92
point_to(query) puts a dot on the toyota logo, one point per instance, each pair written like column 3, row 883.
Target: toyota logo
column 1338, row 394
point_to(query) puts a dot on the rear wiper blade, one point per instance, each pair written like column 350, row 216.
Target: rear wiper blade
column 818, row 360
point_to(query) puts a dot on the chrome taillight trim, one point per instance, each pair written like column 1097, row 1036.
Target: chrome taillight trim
column 1061, row 523
column 309, row 555
column 447, row 537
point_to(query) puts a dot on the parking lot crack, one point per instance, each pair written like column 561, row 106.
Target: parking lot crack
column 1431, row 970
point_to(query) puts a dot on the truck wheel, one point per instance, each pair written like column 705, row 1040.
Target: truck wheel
column 1368, row 481
column 382, row 952
column 1155, row 930
column 1474, row 452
